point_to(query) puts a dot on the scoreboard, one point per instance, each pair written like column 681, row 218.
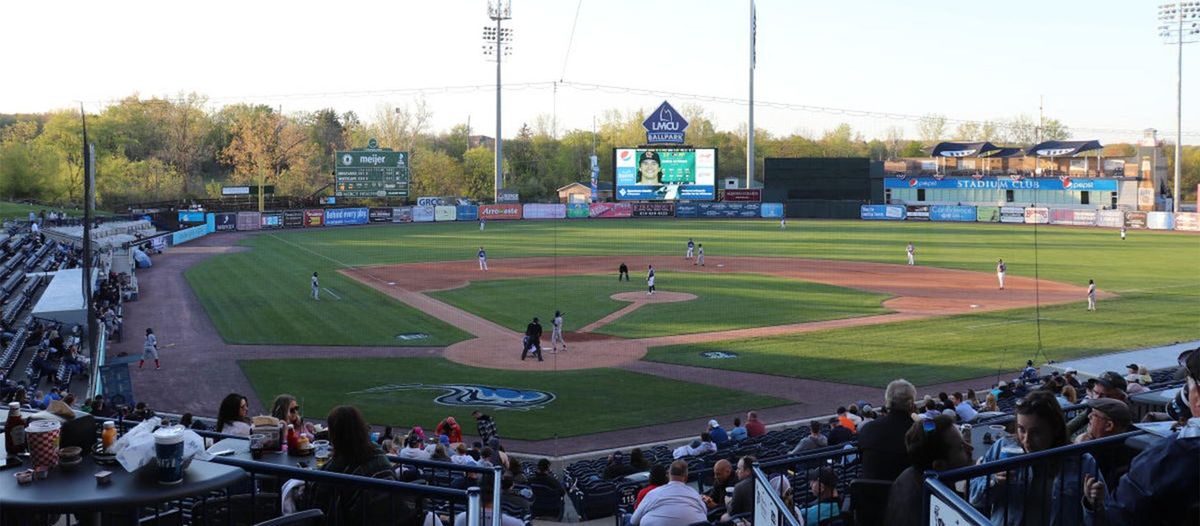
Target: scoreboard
column 371, row 173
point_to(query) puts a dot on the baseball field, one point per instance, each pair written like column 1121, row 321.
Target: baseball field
column 775, row 318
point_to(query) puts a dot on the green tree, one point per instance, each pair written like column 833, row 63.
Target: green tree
column 435, row 173
column 931, row 128
column 478, row 168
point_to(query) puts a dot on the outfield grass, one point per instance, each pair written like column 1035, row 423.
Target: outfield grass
column 611, row 399
column 960, row 347
column 724, row 302
column 11, row 210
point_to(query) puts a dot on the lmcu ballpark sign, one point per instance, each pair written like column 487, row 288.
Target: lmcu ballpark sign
column 371, row 172
column 665, row 125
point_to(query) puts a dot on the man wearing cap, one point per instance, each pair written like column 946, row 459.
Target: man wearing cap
column 1108, row 385
column 822, row 482
column 1163, row 480
column 1109, row 417
column 649, row 169
column 718, row 435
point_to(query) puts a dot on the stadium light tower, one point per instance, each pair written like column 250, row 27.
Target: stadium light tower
column 1179, row 25
column 497, row 42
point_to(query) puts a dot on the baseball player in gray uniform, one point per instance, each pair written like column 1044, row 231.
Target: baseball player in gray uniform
column 691, row 249
column 910, row 250
column 316, row 287
column 650, row 281
column 1001, row 268
column 482, row 259
column 699, row 255
column 1091, row 294
column 556, row 336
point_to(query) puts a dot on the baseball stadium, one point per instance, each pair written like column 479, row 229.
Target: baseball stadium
column 213, row 311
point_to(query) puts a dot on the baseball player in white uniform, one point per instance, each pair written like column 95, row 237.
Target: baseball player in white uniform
column 650, row 281
column 482, row 259
column 482, row 222
column 910, row 250
column 1122, row 233
column 700, row 256
column 556, row 336
column 1091, row 294
column 691, row 249
column 782, row 222
column 316, row 287
column 1000, row 269
column 150, row 350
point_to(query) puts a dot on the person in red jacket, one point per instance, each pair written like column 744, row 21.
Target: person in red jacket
column 754, row 426
column 451, row 429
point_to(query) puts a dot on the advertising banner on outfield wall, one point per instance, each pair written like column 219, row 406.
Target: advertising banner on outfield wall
column 191, row 217
column 687, row 210
column 883, row 212
column 1070, row 216
column 743, row 210
column 249, row 220
column 444, row 213
column 545, row 211
column 272, row 220
column 1187, row 221
column 226, row 221
column 605, row 210
column 380, row 215
column 402, row 214
column 577, row 210
column 960, row 213
column 466, row 213
column 749, row 195
column 1037, row 215
column 1012, row 214
column 345, row 216
column 501, row 211
column 1135, row 219
column 772, row 210
column 1110, row 218
column 653, row 209
column 293, row 218
column 1160, row 220
column 917, row 212
column 423, row 214
column 314, row 218
column 987, row 214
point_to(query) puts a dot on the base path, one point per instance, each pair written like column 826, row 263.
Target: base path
column 917, row 292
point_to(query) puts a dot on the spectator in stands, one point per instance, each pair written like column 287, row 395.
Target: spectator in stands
column 738, row 433
column 189, row 422
column 618, row 466
column 1070, row 376
column 658, row 477
column 141, row 411
column 513, row 500
column 637, row 459
column 754, row 426
column 743, row 491
column 1030, row 373
column 545, row 477
column 1109, row 385
column 933, row 444
column 719, row 436
column 1163, row 480
column 353, row 454
column 1050, row 491
column 990, row 405
column 486, row 426
column 845, row 421
column 672, row 504
column 461, row 454
column 101, row 408
column 1070, row 394
column 232, row 416
column 450, row 428
column 814, row 440
column 972, row 399
column 486, row 481
column 853, row 414
column 413, row 448
column 286, row 408
column 965, row 412
column 50, row 397
column 838, row 434
column 69, row 400
column 1109, row 417
column 440, row 454
column 943, row 401
column 822, row 482
column 931, row 409
column 1138, row 374
column 699, row 447
column 882, row 443
column 722, row 478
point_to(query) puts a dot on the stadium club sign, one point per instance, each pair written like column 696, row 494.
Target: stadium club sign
column 471, row 395
column 665, row 125
column 1005, row 183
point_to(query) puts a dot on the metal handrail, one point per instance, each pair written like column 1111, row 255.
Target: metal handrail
column 969, row 472
column 763, row 482
column 934, row 487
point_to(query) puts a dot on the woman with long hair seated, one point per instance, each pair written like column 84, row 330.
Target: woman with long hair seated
column 231, row 417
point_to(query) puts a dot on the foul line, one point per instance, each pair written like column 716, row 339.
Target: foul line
column 318, row 254
column 332, row 294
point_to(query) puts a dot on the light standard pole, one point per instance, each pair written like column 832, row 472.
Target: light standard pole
column 498, row 41
column 1180, row 24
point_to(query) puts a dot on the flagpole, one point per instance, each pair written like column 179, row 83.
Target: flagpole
column 750, row 165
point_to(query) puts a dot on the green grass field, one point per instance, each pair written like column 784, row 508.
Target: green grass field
column 612, row 399
column 11, row 210
column 724, row 302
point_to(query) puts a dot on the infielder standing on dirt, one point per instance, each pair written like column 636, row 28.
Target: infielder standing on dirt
column 910, row 250
column 700, row 256
column 556, row 336
column 150, row 350
column 1091, row 295
column 1000, row 269
column 650, row 281
column 691, row 248
column 482, row 259
column 316, row 287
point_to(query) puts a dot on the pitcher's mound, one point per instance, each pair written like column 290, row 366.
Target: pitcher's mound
column 657, row 297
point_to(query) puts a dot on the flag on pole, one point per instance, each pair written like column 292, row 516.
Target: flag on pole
column 753, row 36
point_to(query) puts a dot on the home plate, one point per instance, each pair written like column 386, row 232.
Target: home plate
column 393, row 283
column 720, row 265
column 974, row 306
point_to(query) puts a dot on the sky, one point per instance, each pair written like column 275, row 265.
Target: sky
column 1099, row 66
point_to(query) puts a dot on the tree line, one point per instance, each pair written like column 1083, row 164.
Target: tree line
column 155, row 149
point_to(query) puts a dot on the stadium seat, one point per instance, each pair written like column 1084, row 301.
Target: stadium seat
column 868, row 501
column 547, row 502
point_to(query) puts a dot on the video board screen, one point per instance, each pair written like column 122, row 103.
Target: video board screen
column 665, row 174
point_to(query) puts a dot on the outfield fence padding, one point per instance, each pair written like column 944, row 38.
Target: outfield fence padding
column 545, row 211
column 1187, row 221
column 883, row 212
column 1135, row 219
column 249, row 220
column 609, row 210
column 772, row 210
column 423, row 214
column 501, row 211
column 1036, row 215
column 1110, row 218
column 955, row 213
column 402, row 214
column 987, row 214
column 445, row 213
column 1160, row 220
column 466, row 213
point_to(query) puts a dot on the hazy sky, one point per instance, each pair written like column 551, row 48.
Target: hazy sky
column 1099, row 64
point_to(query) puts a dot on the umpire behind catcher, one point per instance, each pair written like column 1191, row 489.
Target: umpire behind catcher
column 533, row 339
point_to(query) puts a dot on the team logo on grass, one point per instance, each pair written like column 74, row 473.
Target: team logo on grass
column 719, row 355
column 473, row 395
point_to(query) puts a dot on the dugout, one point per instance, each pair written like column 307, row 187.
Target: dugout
column 822, row 187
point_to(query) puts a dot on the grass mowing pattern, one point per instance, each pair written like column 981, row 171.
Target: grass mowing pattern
column 724, row 302
column 20, row 211
column 613, row 399
column 262, row 296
